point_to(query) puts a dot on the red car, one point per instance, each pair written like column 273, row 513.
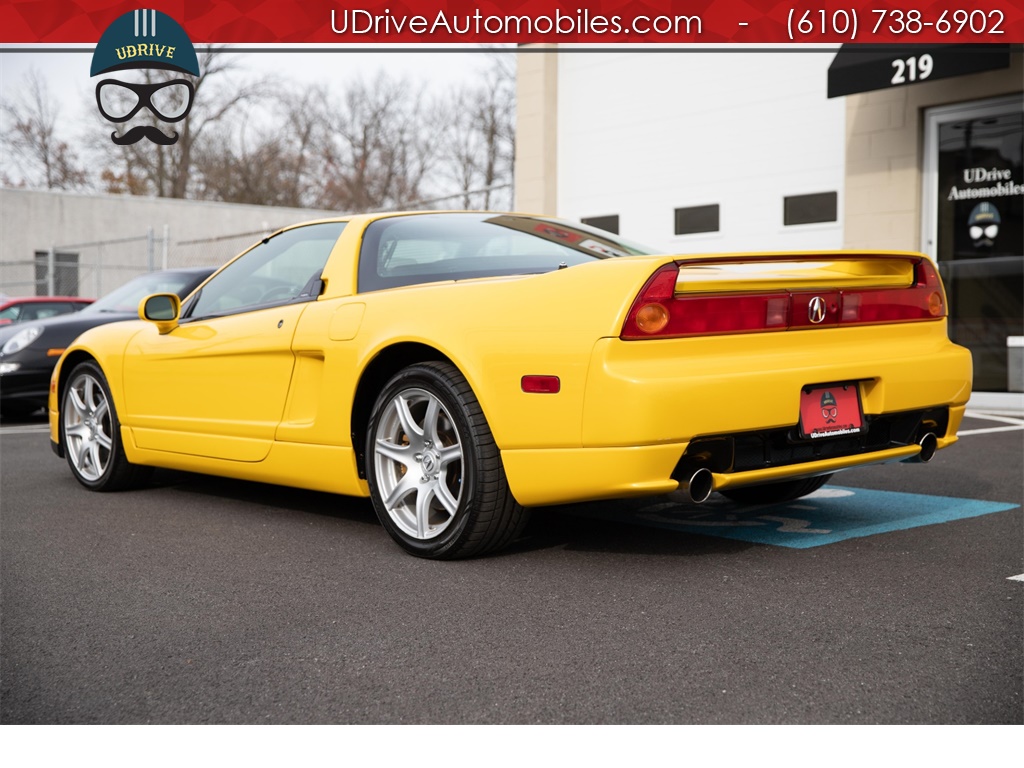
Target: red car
column 22, row 308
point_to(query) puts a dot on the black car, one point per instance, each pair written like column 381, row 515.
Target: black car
column 29, row 351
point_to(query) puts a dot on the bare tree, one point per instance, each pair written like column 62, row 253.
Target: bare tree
column 496, row 121
column 169, row 170
column 459, row 147
column 477, row 126
column 377, row 150
column 38, row 153
column 268, row 163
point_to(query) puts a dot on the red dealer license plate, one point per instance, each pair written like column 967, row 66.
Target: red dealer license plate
column 830, row 411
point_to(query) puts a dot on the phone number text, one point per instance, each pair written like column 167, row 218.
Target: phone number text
column 888, row 22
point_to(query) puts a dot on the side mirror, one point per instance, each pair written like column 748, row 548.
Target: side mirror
column 161, row 309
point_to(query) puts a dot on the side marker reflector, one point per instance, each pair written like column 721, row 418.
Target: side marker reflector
column 546, row 385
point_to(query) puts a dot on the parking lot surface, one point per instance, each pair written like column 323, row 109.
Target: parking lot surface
column 888, row 597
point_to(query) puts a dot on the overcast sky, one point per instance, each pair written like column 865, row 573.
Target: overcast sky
column 68, row 81
column 68, row 73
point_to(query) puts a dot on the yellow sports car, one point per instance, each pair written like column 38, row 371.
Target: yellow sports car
column 460, row 368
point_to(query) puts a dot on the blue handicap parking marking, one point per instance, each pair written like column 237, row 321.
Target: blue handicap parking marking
column 827, row 516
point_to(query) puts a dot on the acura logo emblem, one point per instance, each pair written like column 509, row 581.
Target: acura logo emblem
column 816, row 310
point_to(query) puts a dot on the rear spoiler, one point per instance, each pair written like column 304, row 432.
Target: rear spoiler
column 795, row 271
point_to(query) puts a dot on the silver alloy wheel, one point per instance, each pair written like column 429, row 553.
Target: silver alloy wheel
column 418, row 463
column 87, row 426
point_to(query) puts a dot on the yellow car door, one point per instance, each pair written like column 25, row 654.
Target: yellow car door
column 216, row 385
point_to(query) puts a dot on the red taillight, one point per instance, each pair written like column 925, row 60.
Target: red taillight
column 700, row 315
column 921, row 301
column 658, row 312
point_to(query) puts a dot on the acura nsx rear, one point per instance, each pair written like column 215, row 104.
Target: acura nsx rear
column 460, row 368
column 760, row 376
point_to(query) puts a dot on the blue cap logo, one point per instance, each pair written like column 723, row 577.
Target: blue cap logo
column 143, row 39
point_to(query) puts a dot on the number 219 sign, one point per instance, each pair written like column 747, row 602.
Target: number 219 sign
column 912, row 69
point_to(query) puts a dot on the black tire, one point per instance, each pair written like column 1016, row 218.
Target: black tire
column 435, row 474
column 775, row 493
column 90, row 433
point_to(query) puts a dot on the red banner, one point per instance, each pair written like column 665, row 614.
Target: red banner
column 387, row 22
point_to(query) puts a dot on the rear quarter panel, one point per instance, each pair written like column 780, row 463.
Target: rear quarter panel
column 496, row 331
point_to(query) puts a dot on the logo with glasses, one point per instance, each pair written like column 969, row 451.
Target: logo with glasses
column 983, row 225
column 829, row 408
column 145, row 40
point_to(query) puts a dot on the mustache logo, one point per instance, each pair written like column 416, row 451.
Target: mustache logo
column 140, row 132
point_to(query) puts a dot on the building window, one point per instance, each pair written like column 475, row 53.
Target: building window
column 65, row 273
column 696, row 219
column 810, row 209
column 607, row 223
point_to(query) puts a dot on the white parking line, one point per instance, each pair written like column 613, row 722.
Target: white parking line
column 1018, row 423
column 27, row 430
column 964, row 432
column 1016, row 578
column 993, row 417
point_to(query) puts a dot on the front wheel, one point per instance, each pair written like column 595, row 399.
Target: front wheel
column 91, row 433
column 435, row 474
column 776, row 493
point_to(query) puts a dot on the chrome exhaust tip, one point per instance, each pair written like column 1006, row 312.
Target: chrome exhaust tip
column 700, row 485
column 929, row 444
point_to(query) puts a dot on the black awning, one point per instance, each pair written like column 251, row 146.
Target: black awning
column 860, row 68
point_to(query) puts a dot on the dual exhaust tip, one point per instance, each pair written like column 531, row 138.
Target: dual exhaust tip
column 929, row 444
column 701, row 484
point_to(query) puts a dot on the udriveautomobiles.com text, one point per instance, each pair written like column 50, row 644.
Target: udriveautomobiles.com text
column 361, row 22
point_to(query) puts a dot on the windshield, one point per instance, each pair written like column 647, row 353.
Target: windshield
column 127, row 297
column 407, row 250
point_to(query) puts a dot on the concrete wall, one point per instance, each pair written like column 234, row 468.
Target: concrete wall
column 536, row 183
column 34, row 221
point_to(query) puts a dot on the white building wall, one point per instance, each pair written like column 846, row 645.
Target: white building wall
column 640, row 134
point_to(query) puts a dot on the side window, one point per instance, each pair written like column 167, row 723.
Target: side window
column 281, row 270
column 43, row 311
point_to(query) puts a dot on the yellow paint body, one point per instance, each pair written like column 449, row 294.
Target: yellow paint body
column 269, row 394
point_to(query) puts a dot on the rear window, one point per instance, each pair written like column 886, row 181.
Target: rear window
column 407, row 250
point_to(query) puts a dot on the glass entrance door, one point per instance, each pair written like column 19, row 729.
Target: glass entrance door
column 973, row 219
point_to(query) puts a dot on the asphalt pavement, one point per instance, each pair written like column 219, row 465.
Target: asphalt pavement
column 889, row 599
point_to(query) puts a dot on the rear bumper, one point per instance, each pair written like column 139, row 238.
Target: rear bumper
column 649, row 392
column 647, row 402
column 561, row 476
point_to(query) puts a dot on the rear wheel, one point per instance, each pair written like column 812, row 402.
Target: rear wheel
column 774, row 493
column 91, row 433
column 435, row 474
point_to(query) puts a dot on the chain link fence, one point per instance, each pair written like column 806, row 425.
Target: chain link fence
column 93, row 269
